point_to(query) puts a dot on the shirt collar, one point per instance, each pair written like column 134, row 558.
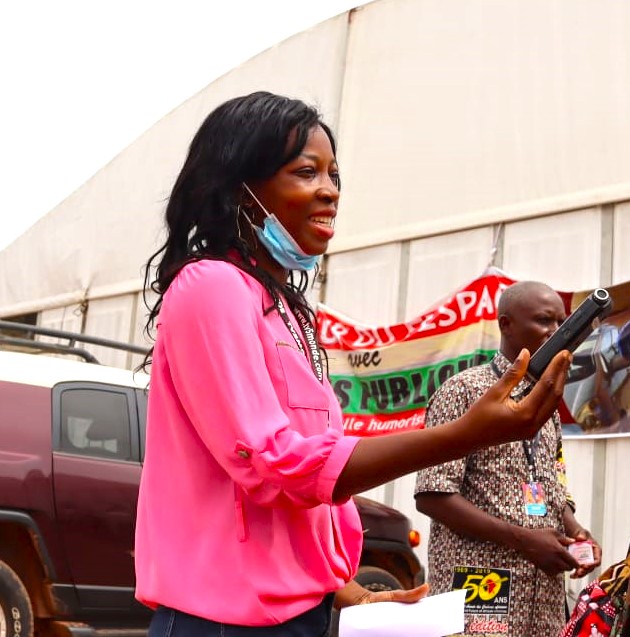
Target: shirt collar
column 502, row 364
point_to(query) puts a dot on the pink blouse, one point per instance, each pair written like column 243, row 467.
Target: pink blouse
column 244, row 446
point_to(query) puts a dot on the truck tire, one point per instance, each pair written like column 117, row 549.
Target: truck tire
column 16, row 613
column 377, row 579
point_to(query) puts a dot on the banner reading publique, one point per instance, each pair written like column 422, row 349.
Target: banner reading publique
column 384, row 376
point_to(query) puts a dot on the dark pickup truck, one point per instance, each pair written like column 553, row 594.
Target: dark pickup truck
column 71, row 449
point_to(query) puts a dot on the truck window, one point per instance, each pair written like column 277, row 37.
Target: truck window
column 96, row 423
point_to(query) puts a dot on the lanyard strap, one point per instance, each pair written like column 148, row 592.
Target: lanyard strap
column 315, row 358
column 530, row 447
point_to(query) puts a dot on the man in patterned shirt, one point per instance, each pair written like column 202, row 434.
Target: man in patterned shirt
column 502, row 518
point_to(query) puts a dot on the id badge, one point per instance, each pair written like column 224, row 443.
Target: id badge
column 534, row 497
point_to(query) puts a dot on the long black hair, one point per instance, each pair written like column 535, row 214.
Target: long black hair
column 245, row 139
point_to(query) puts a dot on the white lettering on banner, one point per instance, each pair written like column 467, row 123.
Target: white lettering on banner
column 331, row 331
column 462, row 304
column 391, row 424
column 485, row 303
column 390, row 336
column 427, row 323
column 365, row 337
column 465, row 301
column 352, row 424
column 451, row 316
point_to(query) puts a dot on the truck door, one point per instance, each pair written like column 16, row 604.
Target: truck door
column 96, row 467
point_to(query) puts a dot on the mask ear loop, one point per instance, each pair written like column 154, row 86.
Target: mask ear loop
column 240, row 210
column 255, row 198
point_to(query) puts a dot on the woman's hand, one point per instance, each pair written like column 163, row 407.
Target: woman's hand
column 398, row 595
column 353, row 594
column 493, row 419
column 501, row 418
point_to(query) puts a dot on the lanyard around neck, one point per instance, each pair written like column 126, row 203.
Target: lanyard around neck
column 308, row 331
column 530, row 447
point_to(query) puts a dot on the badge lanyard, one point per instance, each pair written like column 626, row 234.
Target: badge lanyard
column 530, row 447
column 308, row 330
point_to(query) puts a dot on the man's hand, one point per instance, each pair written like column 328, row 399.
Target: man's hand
column 582, row 535
column 547, row 550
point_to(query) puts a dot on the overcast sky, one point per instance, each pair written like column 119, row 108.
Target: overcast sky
column 81, row 79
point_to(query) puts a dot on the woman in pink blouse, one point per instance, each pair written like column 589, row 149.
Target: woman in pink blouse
column 245, row 520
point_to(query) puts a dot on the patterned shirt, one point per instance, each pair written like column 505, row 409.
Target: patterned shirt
column 508, row 594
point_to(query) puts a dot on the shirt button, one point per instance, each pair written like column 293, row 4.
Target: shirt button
column 243, row 454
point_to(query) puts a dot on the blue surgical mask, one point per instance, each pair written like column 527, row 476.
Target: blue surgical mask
column 279, row 243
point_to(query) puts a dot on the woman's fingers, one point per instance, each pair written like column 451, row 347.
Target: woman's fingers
column 413, row 595
column 398, row 595
column 547, row 390
column 512, row 377
column 496, row 418
column 542, row 401
column 515, row 373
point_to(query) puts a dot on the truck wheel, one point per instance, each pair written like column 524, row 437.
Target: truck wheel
column 16, row 614
column 377, row 579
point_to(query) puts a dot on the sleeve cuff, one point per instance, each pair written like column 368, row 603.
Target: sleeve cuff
column 334, row 465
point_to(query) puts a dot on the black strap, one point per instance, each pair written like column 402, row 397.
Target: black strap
column 530, row 447
column 308, row 331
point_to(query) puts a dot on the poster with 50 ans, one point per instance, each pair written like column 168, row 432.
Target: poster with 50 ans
column 384, row 376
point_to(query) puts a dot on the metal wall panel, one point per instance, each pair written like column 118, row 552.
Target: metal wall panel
column 314, row 290
column 440, row 265
column 560, row 250
column 139, row 320
column 67, row 318
column 457, row 115
column 364, row 285
column 598, row 474
column 111, row 318
column 579, row 456
column 616, row 509
column 621, row 243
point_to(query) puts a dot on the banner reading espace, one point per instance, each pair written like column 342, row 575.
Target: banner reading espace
column 384, row 376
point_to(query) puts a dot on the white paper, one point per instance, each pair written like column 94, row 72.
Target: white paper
column 434, row 616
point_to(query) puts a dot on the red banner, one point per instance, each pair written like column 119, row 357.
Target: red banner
column 384, row 376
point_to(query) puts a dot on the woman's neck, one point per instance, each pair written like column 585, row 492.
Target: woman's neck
column 270, row 266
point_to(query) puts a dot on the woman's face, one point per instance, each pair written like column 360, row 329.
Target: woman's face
column 304, row 193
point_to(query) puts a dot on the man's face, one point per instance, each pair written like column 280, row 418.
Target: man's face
column 532, row 319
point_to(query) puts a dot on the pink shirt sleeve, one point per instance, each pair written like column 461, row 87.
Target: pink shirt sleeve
column 211, row 328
